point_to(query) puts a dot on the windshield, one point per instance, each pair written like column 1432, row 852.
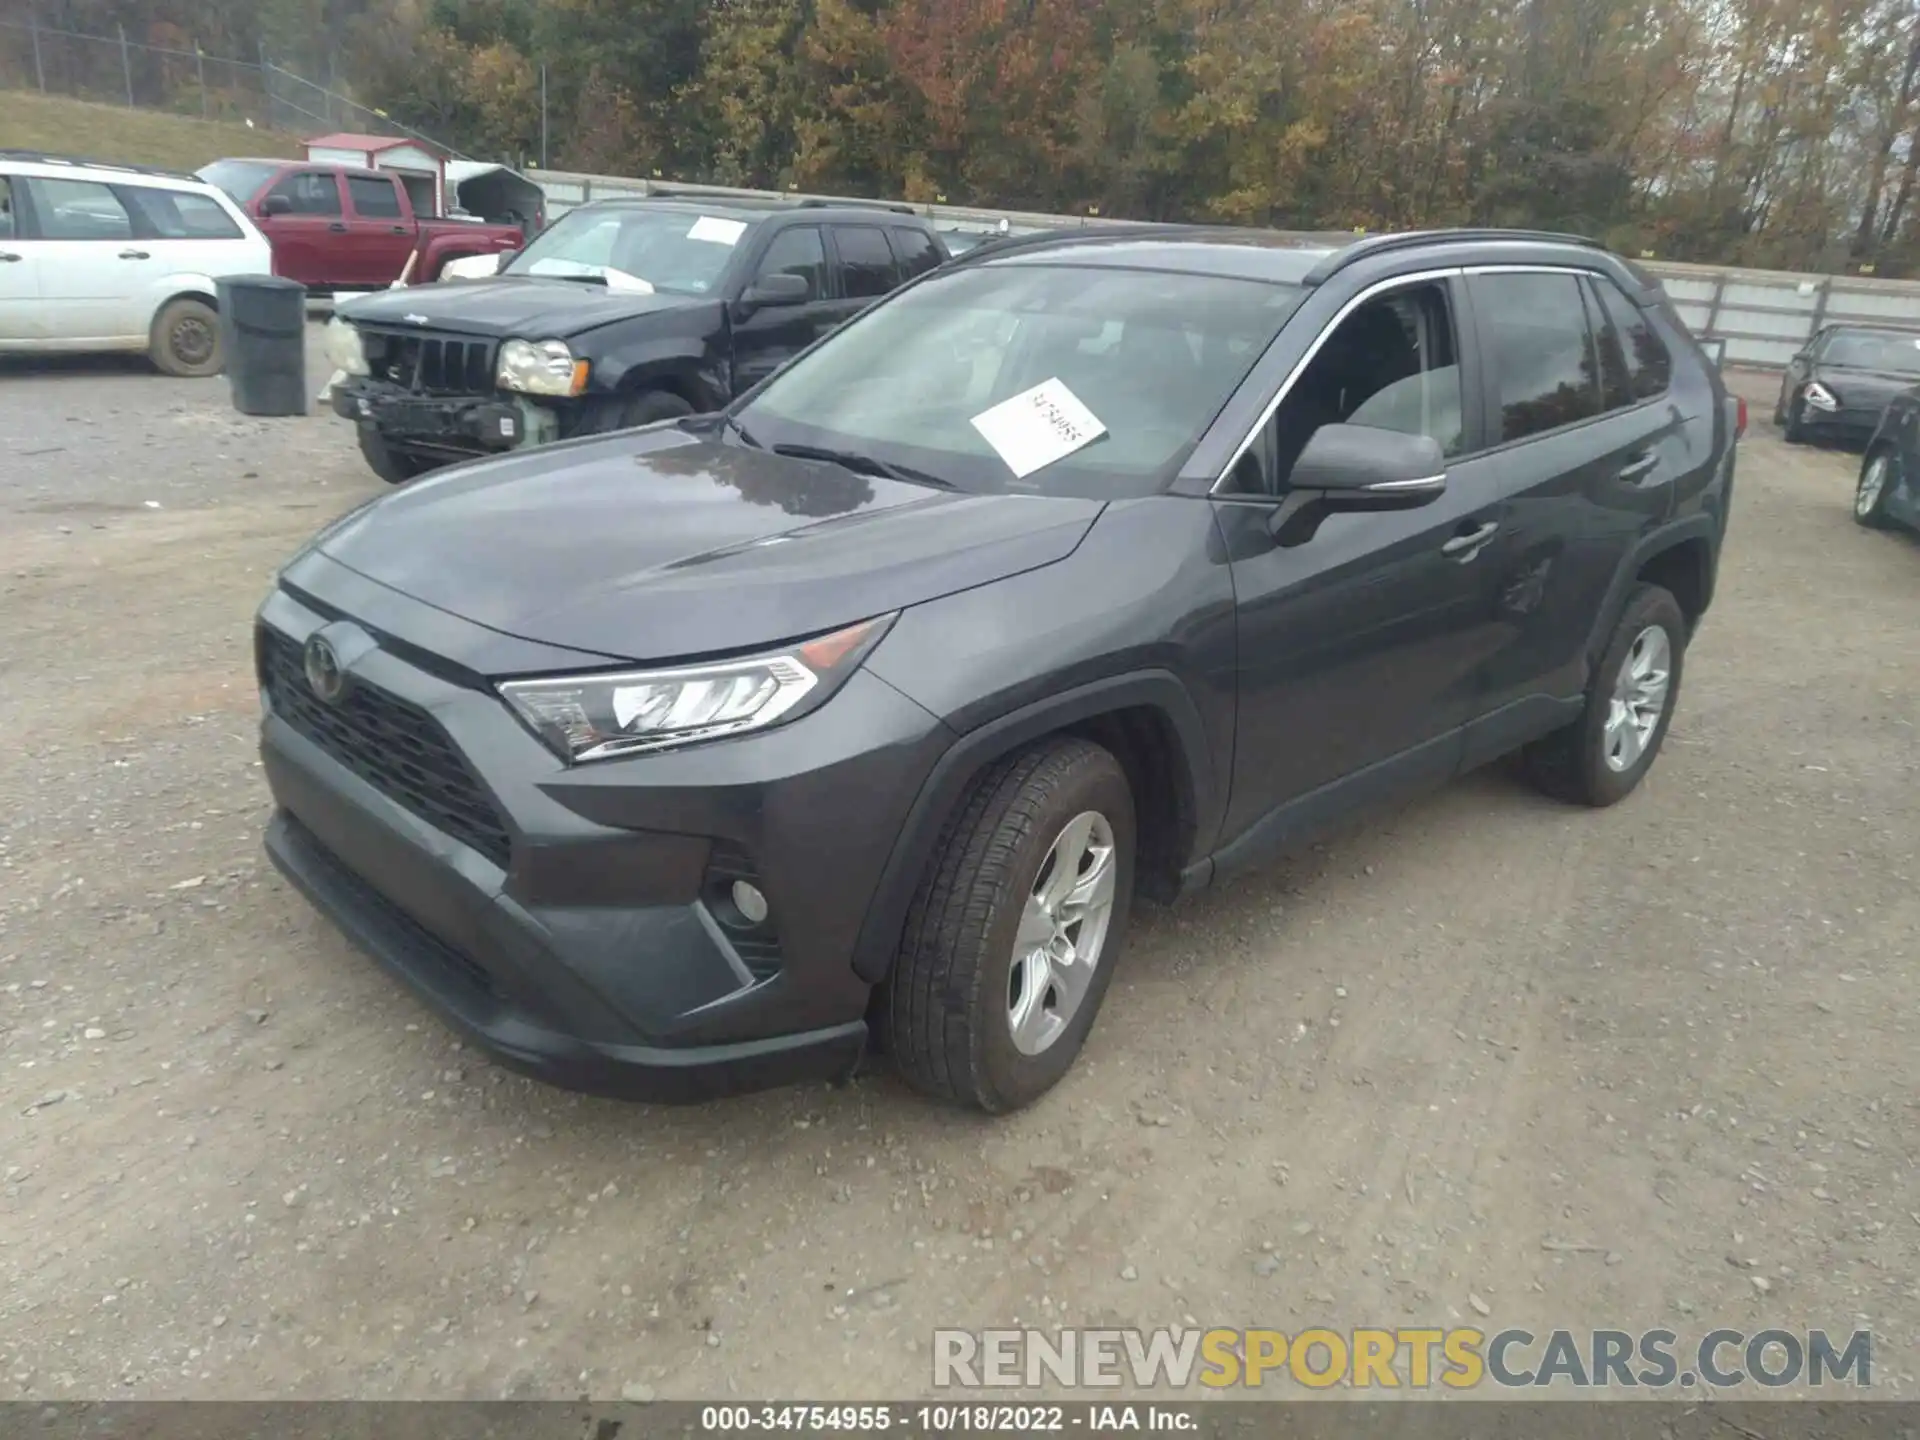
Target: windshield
column 679, row 252
column 241, row 179
column 1103, row 378
column 1864, row 350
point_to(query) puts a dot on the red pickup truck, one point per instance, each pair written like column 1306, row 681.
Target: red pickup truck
column 338, row 227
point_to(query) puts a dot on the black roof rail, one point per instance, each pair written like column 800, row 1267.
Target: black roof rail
column 41, row 157
column 1372, row 245
column 815, row 202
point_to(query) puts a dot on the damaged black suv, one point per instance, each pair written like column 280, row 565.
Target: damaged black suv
column 714, row 754
column 622, row 313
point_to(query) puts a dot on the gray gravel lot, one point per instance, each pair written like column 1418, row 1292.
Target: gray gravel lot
column 1651, row 1066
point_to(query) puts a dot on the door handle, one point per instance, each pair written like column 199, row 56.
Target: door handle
column 1639, row 466
column 1464, row 547
column 7, row 257
column 134, row 255
column 337, row 225
column 399, row 229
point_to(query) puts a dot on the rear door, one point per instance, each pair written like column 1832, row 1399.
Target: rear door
column 767, row 338
column 380, row 234
column 183, row 234
column 306, row 236
column 915, row 251
column 1576, row 403
column 92, row 268
column 22, row 316
column 864, row 266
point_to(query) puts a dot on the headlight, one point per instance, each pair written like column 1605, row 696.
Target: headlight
column 1821, row 398
column 591, row 717
column 345, row 349
column 542, row 367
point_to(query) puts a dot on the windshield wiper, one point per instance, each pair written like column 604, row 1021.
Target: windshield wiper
column 746, row 435
column 865, row 465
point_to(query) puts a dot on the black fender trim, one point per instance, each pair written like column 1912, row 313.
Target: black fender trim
column 941, row 791
column 700, row 371
column 1701, row 526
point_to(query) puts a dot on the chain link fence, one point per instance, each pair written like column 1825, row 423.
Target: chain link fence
column 116, row 70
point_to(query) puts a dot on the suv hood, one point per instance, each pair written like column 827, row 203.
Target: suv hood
column 1848, row 379
column 658, row 545
column 524, row 305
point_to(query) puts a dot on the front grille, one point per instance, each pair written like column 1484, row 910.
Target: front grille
column 421, row 942
column 431, row 364
column 395, row 747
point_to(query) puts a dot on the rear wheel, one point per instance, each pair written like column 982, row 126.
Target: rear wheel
column 186, row 339
column 1600, row 758
column 1795, row 429
column 1878, row 475
column 396, row 467
column 1011, row 940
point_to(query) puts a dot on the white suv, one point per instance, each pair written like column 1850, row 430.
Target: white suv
column 117, row 257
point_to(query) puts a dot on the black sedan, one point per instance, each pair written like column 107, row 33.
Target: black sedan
column 1840, row 384
column 1889, row 490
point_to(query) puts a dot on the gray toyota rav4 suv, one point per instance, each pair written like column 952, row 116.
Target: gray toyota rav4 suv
column 723, row 751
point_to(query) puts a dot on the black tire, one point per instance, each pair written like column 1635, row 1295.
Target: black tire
column 943, row 1011
column 1794, row 431
column 396, row 467
column 185, row 340
column 628, row 412
column 1874, row 515
column 1571, row 764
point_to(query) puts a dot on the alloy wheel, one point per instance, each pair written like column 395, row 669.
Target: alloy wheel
column 1063, row 928
column 1639, row 698
column 1873, row 480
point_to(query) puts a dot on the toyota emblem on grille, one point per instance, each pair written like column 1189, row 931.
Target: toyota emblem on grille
column 324, row 676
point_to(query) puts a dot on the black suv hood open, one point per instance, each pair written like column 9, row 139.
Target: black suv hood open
column 658, row 545
column 526, row 306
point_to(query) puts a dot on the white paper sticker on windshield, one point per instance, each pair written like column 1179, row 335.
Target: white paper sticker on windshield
column 1038, row 426
column 621, row 280
column 720, row 232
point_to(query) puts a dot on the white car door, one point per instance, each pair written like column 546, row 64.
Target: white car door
column 20, row 316
column 92, row 269
column 188, row 235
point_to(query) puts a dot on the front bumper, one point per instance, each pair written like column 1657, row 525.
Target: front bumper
column 445, row 424
column 581, row 936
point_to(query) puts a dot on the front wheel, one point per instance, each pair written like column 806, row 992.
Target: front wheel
column 1011, row 940
column 1878, row 475
column 1795, row 430
column 628, row 412
column 396, row 467
column 1600, row 758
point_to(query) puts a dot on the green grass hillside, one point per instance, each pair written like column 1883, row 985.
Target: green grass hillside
column 54, row 123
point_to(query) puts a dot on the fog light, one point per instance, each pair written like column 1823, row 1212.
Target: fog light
column 748, row 900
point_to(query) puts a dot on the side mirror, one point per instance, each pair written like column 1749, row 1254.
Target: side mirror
column 1358, row 467
column 771, row 290
column 276, row 205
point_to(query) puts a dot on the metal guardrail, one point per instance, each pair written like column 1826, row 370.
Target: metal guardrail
column 1761, row 316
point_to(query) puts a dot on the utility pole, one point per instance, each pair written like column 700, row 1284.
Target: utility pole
column 39, row 73
column 200, row 69
column 126, row 65
column 543, row 115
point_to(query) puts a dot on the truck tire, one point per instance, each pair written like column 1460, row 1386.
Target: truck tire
column 1600, row 758
column 396, row 467
column 185, row 340
column 1006, row 955
column 628, row 412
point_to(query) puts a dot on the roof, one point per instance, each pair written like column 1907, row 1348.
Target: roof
column 348, row 140
column 1268, row 255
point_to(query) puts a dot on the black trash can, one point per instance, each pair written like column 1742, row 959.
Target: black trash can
column 263, row 330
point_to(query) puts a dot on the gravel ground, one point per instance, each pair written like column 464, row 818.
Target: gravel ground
column 1486, row 1061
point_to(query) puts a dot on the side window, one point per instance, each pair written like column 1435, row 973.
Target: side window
column 8, row 227
column 310, row 192
column 865, row 261
column 798, row 251
column 1633, row 359
column 1392, row 364
column 79, row 210
column 177, row 214
column 374, row 198
column 916, row 251
column 1544, row 373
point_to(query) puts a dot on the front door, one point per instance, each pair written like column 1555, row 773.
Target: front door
column 93, row 272
column 21, row 313
column 1360, row 645
column 774, row 334
column 306, row 235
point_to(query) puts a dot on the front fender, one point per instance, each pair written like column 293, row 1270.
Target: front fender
column 698, row 365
